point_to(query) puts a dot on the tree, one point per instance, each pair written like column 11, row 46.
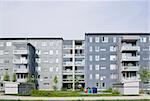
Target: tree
column 14, row 78
column 6, row 77
column 144, row 76
column 55, row 80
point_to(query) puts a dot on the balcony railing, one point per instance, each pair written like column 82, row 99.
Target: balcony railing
column 79, row 46
column 20, row 52
column 130, row 37
column 67, row 46
column 130, row 48
column 20, row 61
column 130, row 58
column 67, row 55
column 21, row 70
column 130, row 79
column 130, row 68
column 79, row 71
column 79, row 63
column 67, row 63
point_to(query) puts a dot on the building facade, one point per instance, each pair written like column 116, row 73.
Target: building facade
column 102, row 60
column 40, row 58
column 73, row 64
column 112, row 58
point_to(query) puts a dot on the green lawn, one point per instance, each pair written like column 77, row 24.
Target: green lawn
column 39, row 93
column 82, row 100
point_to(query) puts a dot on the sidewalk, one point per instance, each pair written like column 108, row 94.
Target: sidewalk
column 8, row 97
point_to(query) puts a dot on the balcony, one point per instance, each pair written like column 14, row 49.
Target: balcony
column 130, row 58
column 67, row 55
column 67, row 80
column 22, row 80
column 21, row 70
column 79, row 71
column 20, row 52
column 130, row 48
column 79, row 55
column 68, row 71
column 129, row 68
column 20, row 61
column 130, row 37
column 130, row 79
column 79, row 46
column 79, row 63
column 67, row 46
column 67, row 63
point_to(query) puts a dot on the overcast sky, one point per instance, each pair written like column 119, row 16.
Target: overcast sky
column 71, row 20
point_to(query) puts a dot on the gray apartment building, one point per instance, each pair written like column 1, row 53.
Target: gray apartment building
column 102, row 60
column 37, row 57
column 112, row 58
column 73, row 64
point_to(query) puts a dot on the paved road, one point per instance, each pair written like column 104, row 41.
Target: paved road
column 7, row 97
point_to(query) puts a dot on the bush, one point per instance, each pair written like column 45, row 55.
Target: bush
column 108, row 90
column 115, row 92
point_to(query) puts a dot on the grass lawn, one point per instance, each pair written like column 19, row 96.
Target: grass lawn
column 39, row 93
column 83, row 100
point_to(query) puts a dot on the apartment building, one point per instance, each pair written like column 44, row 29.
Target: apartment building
column 37, row 57
column 73, row 64
column 112, row 58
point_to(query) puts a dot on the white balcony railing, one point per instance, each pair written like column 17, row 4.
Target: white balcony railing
column 20, row 61
column 129, row 37
column 130, row 58
column 130, row 48
column 130, row 68
column 20, row 52
column 21, row 70
column 130, row 79
column 67, row 63
column 79, row 46
column 79, row 63
column 67, row 55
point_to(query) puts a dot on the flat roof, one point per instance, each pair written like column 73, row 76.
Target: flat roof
column 117, row 33
column 34, row 38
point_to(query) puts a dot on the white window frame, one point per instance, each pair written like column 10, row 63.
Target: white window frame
column 113, row 57
column 96, row 48
column 97, row 76
column 90, row 39
column 96, row 67
column 90, row 58
column 104, row 39
column 96, row 57
column 51, row 52
column 97, row 39
column 90, row 48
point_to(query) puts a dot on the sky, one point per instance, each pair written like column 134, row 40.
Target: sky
column 72, row 19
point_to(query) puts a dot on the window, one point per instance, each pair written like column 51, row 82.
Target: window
column 39, row 68
column 113, row 66
column 113, row 57
column 103, row 84
column 1, row 52
column 96, row 48
column 96, row 67
column 113, row 48
column 51, row 69
column 38, row 52
column 1, row 44
column 96, row 39
column 91, row 66
column 90, row 76
column 97, row 76
column 8, row 43
column 51, row 52
column 56, row 60
column 114, row 39
column 103, row 49
column 113, row 76
column 104, row 39
column 102, row 77
column 57, row 52
column 103, row 58
column 90, row 39
column 44, row 43
column 103, row 67
column 143, row 39
column 56, row 69
column 38, row 60
column 96, row 57
column 90, row 48
column 90, row 58
column 45, row 61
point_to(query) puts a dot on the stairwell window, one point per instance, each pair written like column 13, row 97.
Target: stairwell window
column 96, row 39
